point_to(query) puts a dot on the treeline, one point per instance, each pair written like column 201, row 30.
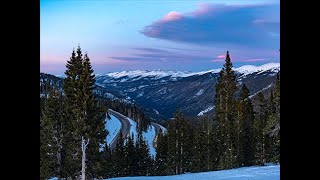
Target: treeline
column 237, row 136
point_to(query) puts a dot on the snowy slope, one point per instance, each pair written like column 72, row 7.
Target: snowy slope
column 271, row 172
column 148, row 136
column 113, row 126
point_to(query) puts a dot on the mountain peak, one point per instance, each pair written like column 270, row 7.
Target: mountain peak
column 159, row 73
column 248, row 69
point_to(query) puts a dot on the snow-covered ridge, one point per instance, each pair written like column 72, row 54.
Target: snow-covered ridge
column 146, row 73
column 249, row 69
column 157, row 74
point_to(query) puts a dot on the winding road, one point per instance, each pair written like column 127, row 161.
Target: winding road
column 125, row 128
column 157, row 128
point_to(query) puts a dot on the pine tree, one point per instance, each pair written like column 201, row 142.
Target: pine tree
column 179, row 145
column 46, row 158
column 119, row 157
column 71, row 90
column 161, row 159
column 85, row 119
column 246, row 131
column 130, row 155
column 199, row 159
column 261, row 120
column 272, row 129
column 106, row 163
column 144, row 163
column 202, row 158
column 224, row 104
column 215, row 146
column 94, row 118
column 53, row 135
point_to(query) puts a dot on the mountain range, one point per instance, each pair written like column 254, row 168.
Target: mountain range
column 160, row 92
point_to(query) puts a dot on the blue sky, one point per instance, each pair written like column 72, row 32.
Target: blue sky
column 189, row 35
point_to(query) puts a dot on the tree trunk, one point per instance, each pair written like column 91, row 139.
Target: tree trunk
column 176, row 161
column 84, row 145
column 182, row 156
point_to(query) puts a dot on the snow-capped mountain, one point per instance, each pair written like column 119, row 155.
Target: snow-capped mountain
column 249, row 69
column 124, row 76
column 160, row 93
column 192, row 92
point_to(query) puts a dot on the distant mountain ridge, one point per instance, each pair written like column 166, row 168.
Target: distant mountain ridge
column 47, row 81
column 160, row 93
column 158, row 74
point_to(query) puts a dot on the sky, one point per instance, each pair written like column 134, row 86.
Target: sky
column 183, row 35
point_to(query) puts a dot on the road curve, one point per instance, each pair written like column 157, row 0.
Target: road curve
column 157, row 128
column 125, row 127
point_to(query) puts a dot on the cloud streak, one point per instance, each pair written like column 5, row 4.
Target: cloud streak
column 160, row 55
column 211, row 24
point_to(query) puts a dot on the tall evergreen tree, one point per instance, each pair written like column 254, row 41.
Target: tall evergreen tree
column 144, row 162
column 261, row 120
column 201, row 158
column 130, row 156
column 53, row 135
column 224, row 104
column 246, row 133
column 119, row 157
column 107, row 162
column 46, row 158
column 179, row 145
column 199, row 155
column 272, row 128
column 85, row 119
column 161, row 159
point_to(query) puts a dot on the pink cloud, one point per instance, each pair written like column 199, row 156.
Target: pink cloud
column 172, row 16
column 221, row 56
